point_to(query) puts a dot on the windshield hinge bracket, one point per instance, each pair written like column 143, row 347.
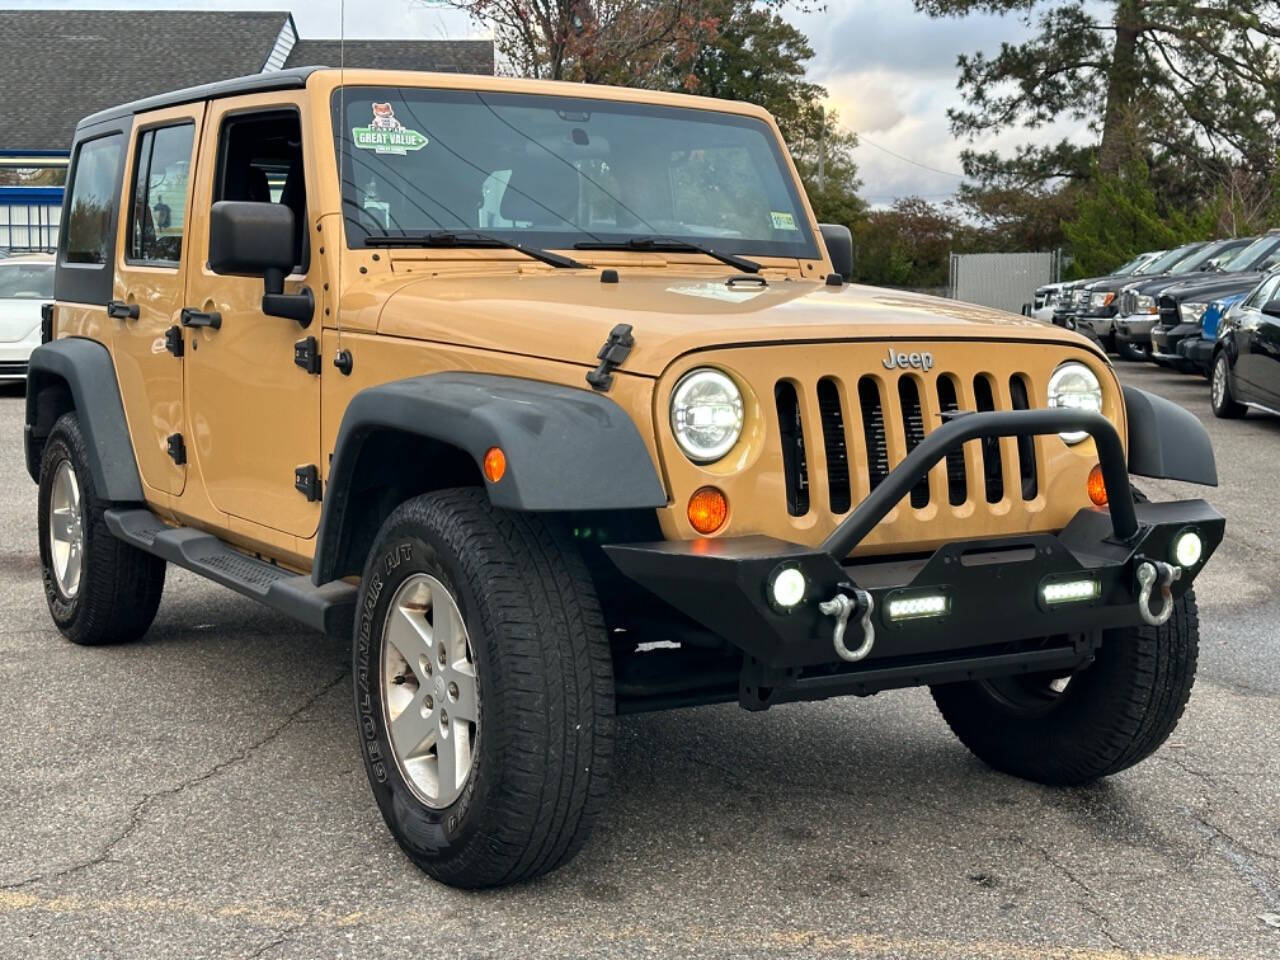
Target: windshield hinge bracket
column 306, row 354
column 173, row 340
column 611, row 356
column 306, row 480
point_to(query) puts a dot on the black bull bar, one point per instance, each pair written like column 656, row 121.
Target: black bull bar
column 994, row 588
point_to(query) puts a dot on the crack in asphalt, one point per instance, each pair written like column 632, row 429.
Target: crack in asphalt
column 1241, row 858
column 281, row 939
column 140, row 810
column 1087, row 904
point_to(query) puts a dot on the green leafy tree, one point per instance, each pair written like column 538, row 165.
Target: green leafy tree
column 908, row 245
column 1119, row 218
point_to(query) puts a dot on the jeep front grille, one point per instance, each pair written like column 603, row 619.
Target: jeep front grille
column 897, row 412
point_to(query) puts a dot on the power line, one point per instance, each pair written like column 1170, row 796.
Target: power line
column 915, row 163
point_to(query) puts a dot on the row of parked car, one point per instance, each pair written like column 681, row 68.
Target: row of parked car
column 1211, row 308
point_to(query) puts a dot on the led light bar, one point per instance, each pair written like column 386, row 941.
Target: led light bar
column 1071, row 591
column 918, row 606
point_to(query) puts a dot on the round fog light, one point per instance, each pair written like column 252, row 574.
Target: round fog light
column 1188, row 548
column 787, row 588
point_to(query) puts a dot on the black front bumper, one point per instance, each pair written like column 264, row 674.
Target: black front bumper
column 994, row 589
column 1165, row 340
column 1198, row 351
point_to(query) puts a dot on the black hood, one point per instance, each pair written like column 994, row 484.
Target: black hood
column 1209, row 288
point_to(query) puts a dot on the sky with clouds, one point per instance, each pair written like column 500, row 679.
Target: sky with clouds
column 891, row 72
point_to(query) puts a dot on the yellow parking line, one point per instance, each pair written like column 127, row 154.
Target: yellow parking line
column 807, row 942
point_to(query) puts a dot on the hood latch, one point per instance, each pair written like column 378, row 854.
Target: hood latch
column 611, row 357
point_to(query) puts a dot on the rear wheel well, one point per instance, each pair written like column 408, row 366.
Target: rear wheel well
column 391, row 467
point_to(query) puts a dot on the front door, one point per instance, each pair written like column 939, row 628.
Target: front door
column 253, row 414
column 151, row 256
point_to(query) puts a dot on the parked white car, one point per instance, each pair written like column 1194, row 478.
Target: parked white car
column 26, row 282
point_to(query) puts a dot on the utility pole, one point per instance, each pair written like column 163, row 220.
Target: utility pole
column 822, row 149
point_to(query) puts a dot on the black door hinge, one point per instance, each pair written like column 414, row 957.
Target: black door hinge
column 306, row 354
column 611, row 356
column 173, row 340
column 306, row 480
column 177, row 448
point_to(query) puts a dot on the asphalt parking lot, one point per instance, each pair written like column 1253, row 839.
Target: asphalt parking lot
column 200, row 794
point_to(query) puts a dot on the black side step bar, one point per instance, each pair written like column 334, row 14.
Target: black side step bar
column 329, row 608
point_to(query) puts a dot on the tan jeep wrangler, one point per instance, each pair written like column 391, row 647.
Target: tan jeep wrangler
column 555, row 399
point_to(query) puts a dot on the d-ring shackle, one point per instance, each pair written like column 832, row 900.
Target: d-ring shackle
column 1150, row 573
column 842, row 607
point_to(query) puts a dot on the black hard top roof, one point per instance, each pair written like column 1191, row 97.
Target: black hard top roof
column 293, row 79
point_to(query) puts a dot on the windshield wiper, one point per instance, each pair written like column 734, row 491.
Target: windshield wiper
column 470, row 238
column 670, row 245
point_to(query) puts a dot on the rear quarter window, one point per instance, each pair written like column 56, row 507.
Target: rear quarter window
column 88, row 237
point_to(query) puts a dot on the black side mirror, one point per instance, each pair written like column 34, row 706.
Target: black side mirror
column 256, row 240
column 839, row 242
column 1272, row 309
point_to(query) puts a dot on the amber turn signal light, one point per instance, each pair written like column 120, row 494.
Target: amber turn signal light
column 1097, row 486
column 708, row 510
column 495, row 464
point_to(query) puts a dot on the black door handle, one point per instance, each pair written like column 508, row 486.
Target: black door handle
column 199, row 318
column 121, row 310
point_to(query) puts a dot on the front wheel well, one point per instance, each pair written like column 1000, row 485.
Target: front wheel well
column 391, row 466
column 48, row 398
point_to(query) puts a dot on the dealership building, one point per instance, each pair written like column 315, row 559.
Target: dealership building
column 62, row 65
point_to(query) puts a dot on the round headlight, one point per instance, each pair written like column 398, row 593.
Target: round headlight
column 1074, row 387
column 706, row 414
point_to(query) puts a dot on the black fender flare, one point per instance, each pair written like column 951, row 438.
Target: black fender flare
column 86, row 369
column 566, row 449
column 1166, row 441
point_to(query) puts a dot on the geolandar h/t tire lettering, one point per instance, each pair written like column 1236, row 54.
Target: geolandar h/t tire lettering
column 100, row 589
column 483, row 689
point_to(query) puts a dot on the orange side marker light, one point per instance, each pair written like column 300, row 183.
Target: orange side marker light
column 1097, row 487
column 495, row 464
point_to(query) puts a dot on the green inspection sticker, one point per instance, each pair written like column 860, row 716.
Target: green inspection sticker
column 782, row 221
column 387, row 135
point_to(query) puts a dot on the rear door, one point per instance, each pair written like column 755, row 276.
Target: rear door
column 152, row 254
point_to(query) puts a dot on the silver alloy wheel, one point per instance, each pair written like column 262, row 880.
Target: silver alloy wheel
column 1219, row 386
column 430, row 697
column 66, row 530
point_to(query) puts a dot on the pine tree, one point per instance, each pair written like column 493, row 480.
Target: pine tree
column 1174, row 82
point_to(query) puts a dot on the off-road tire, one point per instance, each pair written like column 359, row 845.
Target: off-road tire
column 120, row 586
column 1127, row 351
column 1225, row 407
column 1112, row 715
column 544, row 741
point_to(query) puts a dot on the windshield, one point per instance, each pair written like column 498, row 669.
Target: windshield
column 26, row 281
column 1204, row 255
column 1131, row 266
column 554, row 171
column 1253, row 253
column 1165, row 263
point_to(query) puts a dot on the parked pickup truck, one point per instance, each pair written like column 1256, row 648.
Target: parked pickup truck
column 555, row 400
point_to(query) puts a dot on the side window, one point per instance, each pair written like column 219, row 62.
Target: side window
column 1264, row 294
column 260, row 160
column 95, row 182
column 162, row 169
